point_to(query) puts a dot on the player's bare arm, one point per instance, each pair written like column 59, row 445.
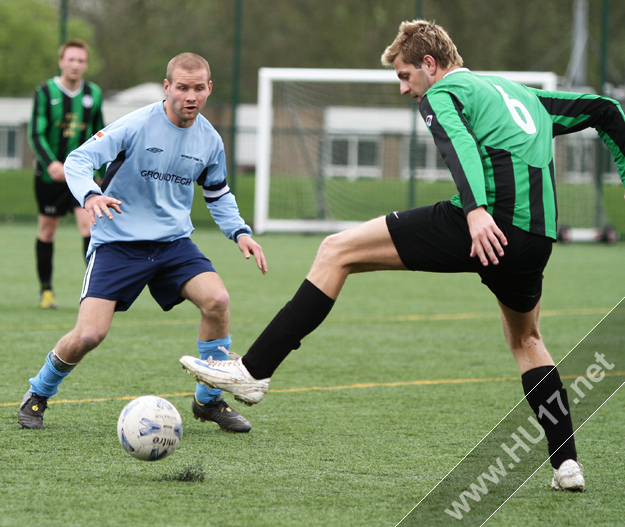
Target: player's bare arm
column 487, row 240
column 249, row 247
column 98, row 205
column 56, row 171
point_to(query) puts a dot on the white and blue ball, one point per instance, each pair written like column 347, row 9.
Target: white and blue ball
column 149, row 428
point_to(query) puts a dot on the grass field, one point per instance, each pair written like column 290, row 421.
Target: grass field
column 353, row 431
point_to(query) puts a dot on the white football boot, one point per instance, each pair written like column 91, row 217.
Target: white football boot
column 570, row 476
column 228, row 375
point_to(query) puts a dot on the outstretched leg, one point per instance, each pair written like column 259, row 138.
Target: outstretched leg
column 365, row 248
column 368, row 247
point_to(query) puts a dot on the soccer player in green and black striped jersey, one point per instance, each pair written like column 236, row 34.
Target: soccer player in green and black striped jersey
column 496, row 138
column 67, row 111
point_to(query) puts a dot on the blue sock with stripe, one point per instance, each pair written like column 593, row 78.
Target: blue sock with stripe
column 203, row 393
column 47, row 381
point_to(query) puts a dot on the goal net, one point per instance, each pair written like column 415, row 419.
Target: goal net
column 339, row 147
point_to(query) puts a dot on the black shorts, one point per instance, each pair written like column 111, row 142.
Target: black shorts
column 437, row 239
column 54, row 199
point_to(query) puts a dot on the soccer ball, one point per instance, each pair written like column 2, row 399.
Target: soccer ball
column 149, row 428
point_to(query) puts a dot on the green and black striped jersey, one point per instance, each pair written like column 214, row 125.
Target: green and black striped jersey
column 496, row 137
column 61, row 121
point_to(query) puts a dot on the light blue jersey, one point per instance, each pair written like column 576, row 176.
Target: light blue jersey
column 152, row 168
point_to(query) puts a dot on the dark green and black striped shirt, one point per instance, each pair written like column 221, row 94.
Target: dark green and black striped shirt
column 62, row 121
column 496, row 137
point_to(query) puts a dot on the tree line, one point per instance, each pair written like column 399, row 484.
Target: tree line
column 132, row 40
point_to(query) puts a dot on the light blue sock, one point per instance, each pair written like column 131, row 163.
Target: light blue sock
column 47, row 381
column 203, row 393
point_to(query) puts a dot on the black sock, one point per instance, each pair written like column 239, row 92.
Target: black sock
column 299, row 317
column 85, row 245
column 543, row 382
column 44, row 251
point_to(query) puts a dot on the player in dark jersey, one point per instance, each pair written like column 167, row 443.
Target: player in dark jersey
column 67, row 111
column 496, row 137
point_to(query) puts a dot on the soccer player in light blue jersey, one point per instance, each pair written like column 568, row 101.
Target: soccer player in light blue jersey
column 141, row 227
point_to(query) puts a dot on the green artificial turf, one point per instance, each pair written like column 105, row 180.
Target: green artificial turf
column 406, row 376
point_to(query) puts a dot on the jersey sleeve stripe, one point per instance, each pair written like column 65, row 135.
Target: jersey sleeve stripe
column 214, row 192
column 573, row 112
column 449, row 154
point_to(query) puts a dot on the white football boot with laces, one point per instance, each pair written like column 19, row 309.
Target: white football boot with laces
column 228, row 375
column 570, row 476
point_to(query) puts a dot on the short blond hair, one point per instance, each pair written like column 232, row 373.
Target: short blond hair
column 418, row 38
column 189, row 62
column 74, row 43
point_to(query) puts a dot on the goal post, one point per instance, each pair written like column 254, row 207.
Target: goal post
column 336, row 147
column 267, row 77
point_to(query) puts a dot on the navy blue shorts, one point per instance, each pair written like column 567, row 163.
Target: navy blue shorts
column 436, row 238
column 120, row 271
